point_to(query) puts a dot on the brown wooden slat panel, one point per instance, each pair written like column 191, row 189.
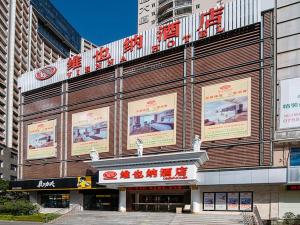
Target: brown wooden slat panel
column 41, row 171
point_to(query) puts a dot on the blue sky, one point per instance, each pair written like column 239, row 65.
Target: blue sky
column 100, row 21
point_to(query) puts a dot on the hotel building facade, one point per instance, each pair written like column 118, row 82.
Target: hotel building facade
column 186, row 114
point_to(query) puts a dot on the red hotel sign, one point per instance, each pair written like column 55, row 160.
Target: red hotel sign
column 151, row 174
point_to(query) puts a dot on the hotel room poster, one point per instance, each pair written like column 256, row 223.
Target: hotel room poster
column 90, row 130
column 41, row 140
column 226, row 110
column 153, row 121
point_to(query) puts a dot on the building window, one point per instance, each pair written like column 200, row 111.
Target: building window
column 13, row 167
column 13, row 155
column 153, row 21
column 144, row 19
column 143, row 1
column 13, row 178
column 153, row 13
column 1, row 163
column 1, row 152
column 198, row 6
column 295, row 157
column 1, row 175
column 153, row 5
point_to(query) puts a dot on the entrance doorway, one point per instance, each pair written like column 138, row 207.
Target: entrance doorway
column 165, row 199
column 103, row 200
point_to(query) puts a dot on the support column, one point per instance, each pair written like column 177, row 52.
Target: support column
column 76, row 200
column 122, row 199
column 195, row 199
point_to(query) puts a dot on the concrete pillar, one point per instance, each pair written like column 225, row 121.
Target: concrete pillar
column 122, row 199
column 33, row 197
column 195, row 199
column 76, row 200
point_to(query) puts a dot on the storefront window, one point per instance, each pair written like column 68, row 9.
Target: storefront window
column 228, row 201
column 295, row 157
column 59, row 200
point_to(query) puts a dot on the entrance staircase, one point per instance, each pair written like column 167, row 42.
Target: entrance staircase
column 147, row 218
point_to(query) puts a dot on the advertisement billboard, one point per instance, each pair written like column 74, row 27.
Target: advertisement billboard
column 152, row 120
column 208, row 201
column 90, row 130
column 289, row 104
column 226, row 110
column 233, row 201
column 221, row 201
column 246, row 201
column 41, row 140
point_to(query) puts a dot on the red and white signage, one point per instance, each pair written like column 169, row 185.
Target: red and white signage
column 214, row 21
column 46, row 73
column 149, row 174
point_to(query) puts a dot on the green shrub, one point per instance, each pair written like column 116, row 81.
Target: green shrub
column 18, row 207
column 289, row 218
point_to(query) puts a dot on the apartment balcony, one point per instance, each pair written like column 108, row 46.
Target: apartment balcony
column 4, row 21
column 179, row 3
column 4, row 5
column 2, row 93
column 165, row 17
column 2, row 120
column 2, row 127
column 294, row 175
column 2, row 110
column 3, row 60
column 3, row 40
column 2, row 103
column 165, row 8
column 161, row 3
column 2, row 83
column 186, row 10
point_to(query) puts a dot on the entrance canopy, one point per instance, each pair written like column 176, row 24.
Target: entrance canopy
column 151, row 170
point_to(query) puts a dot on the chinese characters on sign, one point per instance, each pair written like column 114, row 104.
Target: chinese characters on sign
column 211, row 18
column 168, row 173
column 164, row 37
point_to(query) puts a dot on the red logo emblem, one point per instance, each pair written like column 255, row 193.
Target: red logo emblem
column 110, row 175
column 46, row 73
column 225, row 87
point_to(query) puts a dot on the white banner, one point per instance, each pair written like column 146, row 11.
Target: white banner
column 150, row 174
column 289, row 103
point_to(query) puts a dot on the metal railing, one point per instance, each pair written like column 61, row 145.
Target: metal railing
column 248, row 218
column 257, row 216
column 252, row 217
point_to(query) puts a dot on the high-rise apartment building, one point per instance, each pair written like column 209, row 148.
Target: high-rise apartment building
column 32, row 34
column 152, row 13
